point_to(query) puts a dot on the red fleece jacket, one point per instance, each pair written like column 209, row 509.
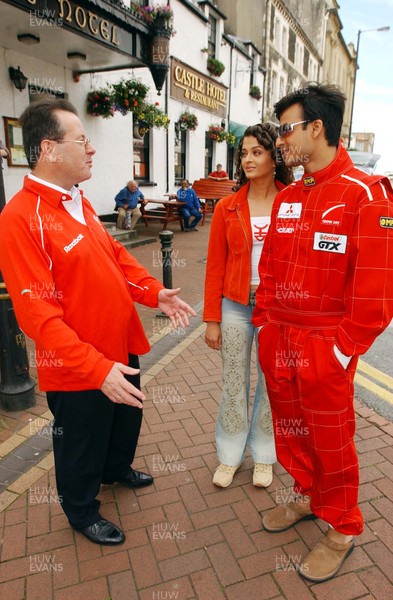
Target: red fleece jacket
column 73, row 289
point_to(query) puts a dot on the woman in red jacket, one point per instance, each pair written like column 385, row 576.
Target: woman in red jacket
column 239, row 226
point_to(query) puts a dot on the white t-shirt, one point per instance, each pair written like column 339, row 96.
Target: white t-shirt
column 259, row 228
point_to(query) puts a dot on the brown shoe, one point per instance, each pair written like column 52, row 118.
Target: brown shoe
column 325, row 560
column 283, row 517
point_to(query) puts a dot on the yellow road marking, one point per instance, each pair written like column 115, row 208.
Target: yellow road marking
column 374, row 388
column 375, row 374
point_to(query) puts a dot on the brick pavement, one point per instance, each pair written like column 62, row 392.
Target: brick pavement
column 186, row 539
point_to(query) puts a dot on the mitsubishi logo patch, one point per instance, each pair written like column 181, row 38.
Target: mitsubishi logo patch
column 290, row 210
column 330, row 242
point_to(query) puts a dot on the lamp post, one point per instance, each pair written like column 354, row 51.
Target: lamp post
column 385, row 28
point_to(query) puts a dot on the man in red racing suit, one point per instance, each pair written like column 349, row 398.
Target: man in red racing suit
column 325, row 294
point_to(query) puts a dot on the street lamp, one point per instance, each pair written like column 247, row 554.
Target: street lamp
column 386, row 28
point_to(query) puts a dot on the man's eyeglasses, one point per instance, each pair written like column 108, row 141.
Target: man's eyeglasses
column 85, row 141
column 286, row 128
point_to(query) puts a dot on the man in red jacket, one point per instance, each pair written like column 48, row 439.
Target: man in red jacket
column 325, row 294
column 73, row 288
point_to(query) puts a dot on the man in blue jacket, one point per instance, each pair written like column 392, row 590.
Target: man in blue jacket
column 191, row 208
column 127, row 206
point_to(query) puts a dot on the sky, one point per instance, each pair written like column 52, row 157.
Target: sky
column 373, row 109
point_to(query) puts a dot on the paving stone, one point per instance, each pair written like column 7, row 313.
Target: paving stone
column 206, row 585
column 258, row 588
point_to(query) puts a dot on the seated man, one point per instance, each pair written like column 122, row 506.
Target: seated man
column 127, row 206
column 219, row 174
column 191, row 206
column 3, row 150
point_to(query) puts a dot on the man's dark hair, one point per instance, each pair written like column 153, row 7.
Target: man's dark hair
column 324, row 102
column 39, row 122
column 266, row 135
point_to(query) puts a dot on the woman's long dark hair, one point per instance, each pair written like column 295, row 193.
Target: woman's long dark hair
column 266, row 134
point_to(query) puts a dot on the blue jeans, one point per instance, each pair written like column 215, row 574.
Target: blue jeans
column 232, row 429
column 186, row 213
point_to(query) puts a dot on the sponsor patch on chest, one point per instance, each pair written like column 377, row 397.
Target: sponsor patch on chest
column 386, row 222
column 330, row 242
column 290, row 210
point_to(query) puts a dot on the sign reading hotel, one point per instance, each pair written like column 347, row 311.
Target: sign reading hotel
column 192, row 87
column 52, row 14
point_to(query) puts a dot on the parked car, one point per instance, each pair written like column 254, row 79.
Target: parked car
column 366, row 161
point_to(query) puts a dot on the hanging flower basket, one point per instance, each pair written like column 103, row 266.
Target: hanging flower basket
column 128, row 95
column 99, row 103
column 159, row 18
column 149, row 116
column 231, row 139
column 215, row 67
column 188, row 120
column 219, row 135
column 255, row 92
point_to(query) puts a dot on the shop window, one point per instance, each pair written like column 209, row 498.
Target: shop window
column 180, row 155
column 141, row 158
column 208, row 155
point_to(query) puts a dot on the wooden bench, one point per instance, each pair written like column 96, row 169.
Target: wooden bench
column 211, row 192
column 166, row 211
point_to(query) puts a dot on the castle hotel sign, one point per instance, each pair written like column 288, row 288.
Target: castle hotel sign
column 194, row 88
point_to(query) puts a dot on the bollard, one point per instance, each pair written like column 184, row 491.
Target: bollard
column 16, row 386
column 166, row 237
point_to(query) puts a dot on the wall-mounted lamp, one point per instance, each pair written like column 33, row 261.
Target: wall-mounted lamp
column 28, row 38
column 18, row 78
column 77, row 55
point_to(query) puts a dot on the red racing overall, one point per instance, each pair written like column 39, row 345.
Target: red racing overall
column 326, row 288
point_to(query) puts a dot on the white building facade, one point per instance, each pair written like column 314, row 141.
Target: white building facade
column 70, row 50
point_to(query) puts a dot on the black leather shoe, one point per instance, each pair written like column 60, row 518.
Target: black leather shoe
column 136, row 479
column 103, row 532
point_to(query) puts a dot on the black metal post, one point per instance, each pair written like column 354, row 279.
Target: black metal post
column 166, row 238
column 16, row 386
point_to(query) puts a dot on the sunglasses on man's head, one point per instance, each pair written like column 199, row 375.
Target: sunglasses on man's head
column 286, row 128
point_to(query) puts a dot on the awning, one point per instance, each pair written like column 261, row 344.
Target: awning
column 238, row 130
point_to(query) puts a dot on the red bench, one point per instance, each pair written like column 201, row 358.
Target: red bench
column 211, row 191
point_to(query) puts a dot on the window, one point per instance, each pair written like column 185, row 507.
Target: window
column 291, row 46
column 277, row 31
column 273, row 90
column 180, row 154
column 306, row 60
column 141, row 156
column 208, row 154
column 284, row 41
column 212, row 36
column 272, row 14
column 254, row 67
column 282, row 88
